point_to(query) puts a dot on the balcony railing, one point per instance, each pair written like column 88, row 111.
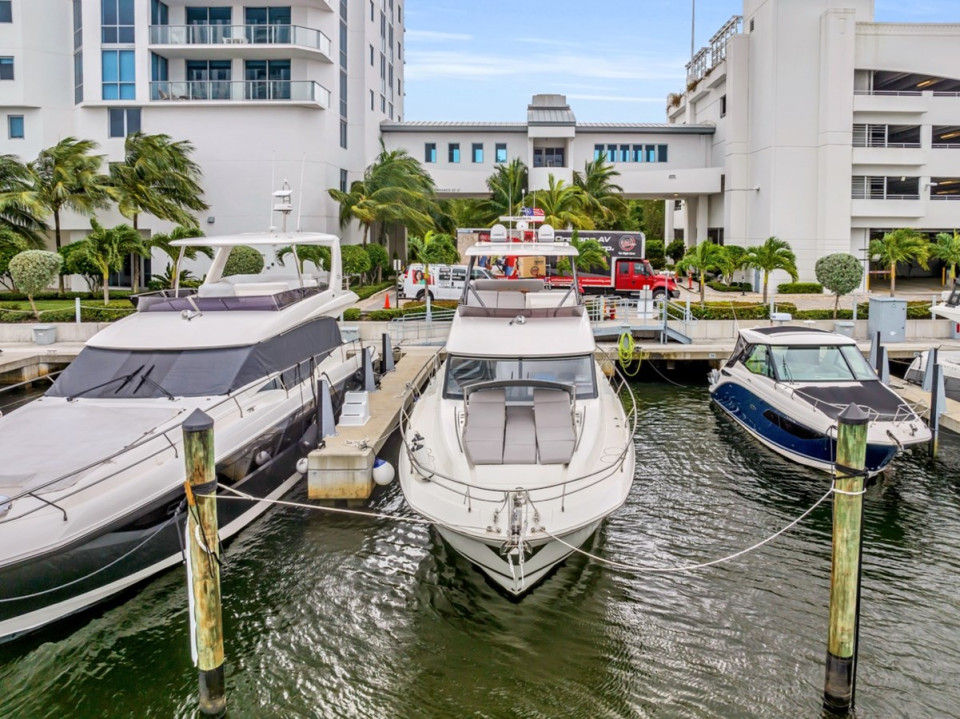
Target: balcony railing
column 241, row 91
column 239, row 35
column 881, row 195
column 874, row 142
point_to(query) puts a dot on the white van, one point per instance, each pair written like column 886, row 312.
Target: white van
column 446, row 281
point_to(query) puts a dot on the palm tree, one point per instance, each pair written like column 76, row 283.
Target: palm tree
column 590, row 254
column 65, row 176
column 454, row 212
column 432, row 247
column 157, row 176
column 606, row 197
column 774, row 254
column 18, row 213
column 395, row 189
column 507, row 186
column 317, row 254
column 107, row 248
column 563, row 205
column 948, row 250
column 162, row 241
column 733, row 258
column 703, row 258
column 903, row 245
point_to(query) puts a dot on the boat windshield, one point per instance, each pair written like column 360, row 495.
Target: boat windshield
column 825, row 363
column 576, row 371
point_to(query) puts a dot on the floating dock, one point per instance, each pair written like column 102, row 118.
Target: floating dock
column 342, row 469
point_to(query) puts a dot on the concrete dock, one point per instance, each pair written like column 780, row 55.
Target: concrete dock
column 950, row 419
column 343, row 468
column 27, row 361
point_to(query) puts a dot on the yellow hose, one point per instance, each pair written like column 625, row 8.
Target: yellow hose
column 625, row 350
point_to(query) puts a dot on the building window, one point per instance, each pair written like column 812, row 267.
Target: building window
column 6, row 68
column 371, row 11
column 372, row 106
column 723, row 106
column 751, row 25
column 6, row 11
column 399, row 52
column 77, row 24
column 343, row 134
column 624, row 153
column 453, row 152
column 371, row 55
column 598, row 153
column 123, row 121
column 383, row 104
column 477, row 152
column 159, row 68
column 119, row 75
column 661, row 153
column 549, row 156
column 117, row 22
column 343, row 180
column 885, row 188
column 638, row 153
column 211, row 81
column 390, row 110
column 430, row 152
column 159, row 13
column 501, row 154
column 78, row 76
column 15, row 127
column 343, row 94
column 611, row 153
column 265, row 79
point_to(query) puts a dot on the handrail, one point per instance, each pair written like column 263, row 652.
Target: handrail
column 146, row 439
column 497, row 383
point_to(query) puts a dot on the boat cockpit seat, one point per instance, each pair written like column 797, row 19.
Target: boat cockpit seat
column 511, row 300
column 526, row 285
column 520, row 438
column 484, row 428
column 556, row 436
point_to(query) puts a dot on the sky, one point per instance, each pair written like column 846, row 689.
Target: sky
column 615, row 60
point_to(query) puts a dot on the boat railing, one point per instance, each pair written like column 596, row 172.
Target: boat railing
column 473, row 492
column 164, row 441
column 905, row 412
column 419, row 328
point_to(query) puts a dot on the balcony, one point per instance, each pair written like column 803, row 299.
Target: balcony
column 251, row 41
column 212, row 92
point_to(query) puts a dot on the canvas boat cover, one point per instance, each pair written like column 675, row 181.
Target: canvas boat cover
column 45, row 440
column 871, row 395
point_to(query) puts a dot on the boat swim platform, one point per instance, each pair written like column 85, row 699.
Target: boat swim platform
column 342, row 469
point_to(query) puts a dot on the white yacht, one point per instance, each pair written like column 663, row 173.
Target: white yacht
column 948, row 360
column 519, row 447
column 787, row 385
column 92, row 473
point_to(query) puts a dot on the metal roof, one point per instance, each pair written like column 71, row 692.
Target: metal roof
column 421, row 126
column 550, row 116
column 653, row 128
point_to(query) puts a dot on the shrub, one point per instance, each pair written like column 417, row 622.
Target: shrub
column 800, row 288
column 354, row 260
column 379, row 259
column 738, row 310
column 368, row 290
column 33, row 271
column 735, row 287
column 840, row 273
column 351, row 314
column 655, row 254
column 243, row 261
column 675, row 250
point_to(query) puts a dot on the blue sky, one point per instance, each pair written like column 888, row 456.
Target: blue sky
column 615, row 60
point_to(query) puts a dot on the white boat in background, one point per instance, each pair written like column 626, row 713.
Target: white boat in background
column 787, row 385
column 91, row 474
column 949, row 362
column 519, row 447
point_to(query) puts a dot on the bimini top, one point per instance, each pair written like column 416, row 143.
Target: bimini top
column 259, row 238
column 786, row 335
column 521, row 249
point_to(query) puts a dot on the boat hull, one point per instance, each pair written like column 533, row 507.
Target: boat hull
column 546, row 554
column 803, row 445
column 85, row 570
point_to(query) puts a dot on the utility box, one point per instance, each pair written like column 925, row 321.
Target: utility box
column 844, row 327
column 888, row 316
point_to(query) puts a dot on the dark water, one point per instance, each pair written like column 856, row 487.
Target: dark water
column 346, row 617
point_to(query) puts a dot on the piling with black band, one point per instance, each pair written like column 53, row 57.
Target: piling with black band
column 841, row 664
column 206, row 622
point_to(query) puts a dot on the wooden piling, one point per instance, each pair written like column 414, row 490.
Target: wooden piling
column 840, row 681
column 203, row 547
column 937, row 397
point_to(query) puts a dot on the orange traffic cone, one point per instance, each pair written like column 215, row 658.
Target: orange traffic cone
column 386, row 301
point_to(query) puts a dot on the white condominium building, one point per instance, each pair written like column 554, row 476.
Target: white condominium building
column 265, row 89
column 831, row 129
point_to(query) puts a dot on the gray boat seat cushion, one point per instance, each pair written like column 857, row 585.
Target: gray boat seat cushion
column 483, row 432
column 520, row 440
column 511, row 300
column 556, row 436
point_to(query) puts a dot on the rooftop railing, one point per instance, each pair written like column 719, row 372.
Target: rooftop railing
column 240, row 35
column 240, row 91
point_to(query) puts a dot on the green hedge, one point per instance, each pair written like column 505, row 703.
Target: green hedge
column 20, row 312
column 800, row 288
column 351, row 314
column 370, row 290
column 737, row 310
column 735, row 287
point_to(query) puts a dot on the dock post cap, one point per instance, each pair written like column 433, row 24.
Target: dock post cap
column 198, row 421
column 853, row 415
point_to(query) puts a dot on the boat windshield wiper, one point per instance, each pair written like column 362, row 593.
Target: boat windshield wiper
column 125, row 377
column 153, row 383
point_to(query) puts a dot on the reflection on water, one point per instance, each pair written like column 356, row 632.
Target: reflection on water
column 331, row 616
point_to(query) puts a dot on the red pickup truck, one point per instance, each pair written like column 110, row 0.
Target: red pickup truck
column 627, row 275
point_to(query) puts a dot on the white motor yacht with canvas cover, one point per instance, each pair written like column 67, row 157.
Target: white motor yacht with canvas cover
column 92, row 473
column 949, row 360
column 787, row 385
column 519, row 447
